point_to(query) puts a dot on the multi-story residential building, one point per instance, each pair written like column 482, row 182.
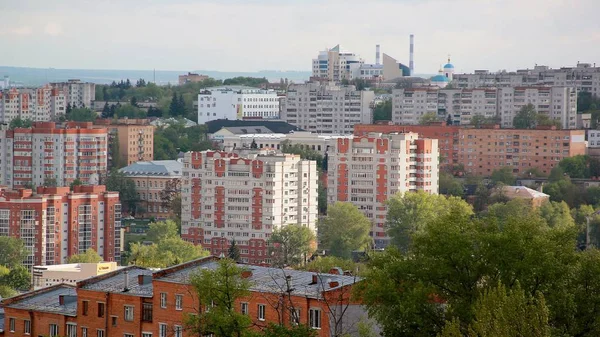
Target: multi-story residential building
column 336, row 64
column 583, row 77
column 327, row 108
column 460, row 105
column 152, row 180
column 191, row 78
column 77, row 93
column 135, row 138
column 308, row 140
column 226, row 197
column 70, row 273
column 593, row 143
column 481, row 151
column 46, row 152
column 41, row 104
column 135, row 301
column 55, row 223
column 237, row 102
column 366, row 171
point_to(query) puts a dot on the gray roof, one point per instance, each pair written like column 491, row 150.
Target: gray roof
column 263, row 279
column 114, row 282
column 242, row 130
column 171, row 168
column 47, row 300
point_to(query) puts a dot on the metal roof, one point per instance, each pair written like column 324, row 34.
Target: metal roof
column 241, row 130
column 166, row 168
column 114, row 282
column 47, row 300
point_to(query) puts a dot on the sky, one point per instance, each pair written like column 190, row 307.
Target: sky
column 253, row 35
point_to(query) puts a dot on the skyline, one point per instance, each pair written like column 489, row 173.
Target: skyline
column 178, row 35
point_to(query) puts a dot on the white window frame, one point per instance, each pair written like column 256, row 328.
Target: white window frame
column 315, row 318
column 162, row 330
column 100, row 332
column 27, row 327
column 163, row 300
column 53, row 333
column 261, row 312
column 178, row 331
column 71, row 330
column 12, row 324
column 295, row 312
column 244, row 308
column 128, row 314
column 128, row 334
column 84, row 331
column 178, row 302
column 146, row 334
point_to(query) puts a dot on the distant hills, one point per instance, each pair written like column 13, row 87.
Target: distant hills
column 38, row 76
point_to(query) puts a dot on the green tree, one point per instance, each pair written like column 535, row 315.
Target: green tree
column 161, row 230
column 20, row 123
column 576, row 166
column 217, row 292
column 117, row 181
column 449, row 185
column 323, row 264
column 383, row 111
column 234, row 251
column 89, row 256
column 12, row 252
column 526, row 118
column 50, row 182
column 75, row 182
column 503, row 175
column 274, row 330
column 174, row 107
column 134, row 102
column 130, row 111
column 557, row 214
column 17, row 278
column 81, row 115
column 167, row 252
column 480, row 120
column 291, row 245
column 428, row 118
column 344, row 229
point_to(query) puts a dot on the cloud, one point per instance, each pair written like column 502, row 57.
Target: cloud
column 53, row 29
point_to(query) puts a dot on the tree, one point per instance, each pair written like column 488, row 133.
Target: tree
column 557, row 214
column 168, row 251
column 134, row 102
column 81, row 115
column 106, row 112
column 217, row 292
column 17, row 278
column 161, row 230
column 344, row 229
column 526, row 118
column 503, row 175
column 234, row 251
column 129, row 111
column 449, row 120
column 274, row 330
column 115, row 152
column 117, row 181
column 181, row 106
column 428, row 118
column 323, row 264
column 12, row 252
column 75, row 182
column 576, row 166
column 450, row 185
column 383, row 111
column 68, row 109
column 20, row 123
column 174, row 109
column 89, row 256
column 290, row 245
column 50, row 182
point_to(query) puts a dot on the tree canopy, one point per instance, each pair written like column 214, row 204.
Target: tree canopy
column 428, row 118
column 344, row 229
column 291, row 245
column 20, row 123
column 383, row 111
column 81, row 115
column 119, row 182
column 89, row 256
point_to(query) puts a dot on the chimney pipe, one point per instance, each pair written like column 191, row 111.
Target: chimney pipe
column 377, row 55
column 411, row 63
column 126, row 280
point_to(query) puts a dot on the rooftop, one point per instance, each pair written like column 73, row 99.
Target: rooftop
column 275, row 127
column 522, row 192
column 241, row 130
column 114, row 282
column 59, row 299
column 165, row 168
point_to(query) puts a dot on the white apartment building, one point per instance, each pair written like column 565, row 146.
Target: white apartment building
column 336, row 64
column 237, row 102
column 226, row 197
column 366, row 171
column 77, row 93
column 308, row 140
column 409, row 105
column 327, row 108
column 41, row 104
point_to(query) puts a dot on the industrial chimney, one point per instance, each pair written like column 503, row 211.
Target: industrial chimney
column 377, row 55
column 411, row 63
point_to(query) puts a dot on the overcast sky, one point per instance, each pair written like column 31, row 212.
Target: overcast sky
column 251, row 35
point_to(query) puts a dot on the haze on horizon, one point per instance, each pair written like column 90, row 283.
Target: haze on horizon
column 253, row 35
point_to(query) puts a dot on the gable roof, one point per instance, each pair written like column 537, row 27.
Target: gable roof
column 47, row 300
column 274, row 126
column 114, row 282
column 154, row 168
column 522, row 192
column 243, row 130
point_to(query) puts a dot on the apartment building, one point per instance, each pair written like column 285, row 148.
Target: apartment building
column 55, row 223
column 307, row 140
column 367, row 170
column 237, row 102
column 50, row 152
column 226, row 197
column 583, row 77
column 40, row 104
column 135, row 138
column 191, row 78
column 460, row 105
column 328, row 108
column 135, row 301
column 77, row 93
column 482, row 151
column 70, row 273
column 151, row 178
column 336, row 64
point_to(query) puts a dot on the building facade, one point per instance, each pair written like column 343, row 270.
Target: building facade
column 307, row 140
column 47, row 152
column 55, row 223
column 366, row 171
column 191, row 78
column 134, row 301
column 135, row 139
column 39, row 105
column 226, row 197
column 336, row 65
column 153, row 180
column 327, row 108
column 71, row 273
column 237, row 102
column 77, row 93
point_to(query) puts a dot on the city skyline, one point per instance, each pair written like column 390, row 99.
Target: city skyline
column 267, row 34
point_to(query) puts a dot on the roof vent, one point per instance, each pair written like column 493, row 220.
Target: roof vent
column 126, row 281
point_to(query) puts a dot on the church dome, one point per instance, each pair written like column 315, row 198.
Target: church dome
column 439, row 78
column 448, row 66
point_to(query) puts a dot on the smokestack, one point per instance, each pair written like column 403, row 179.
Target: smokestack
column 377, row 55
column 126, row 281
column 411, row 63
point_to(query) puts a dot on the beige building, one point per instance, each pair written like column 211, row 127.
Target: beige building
column 308, row 140
column 531, row 196
column 71, row 273
column 151, row 179
column 135, row 137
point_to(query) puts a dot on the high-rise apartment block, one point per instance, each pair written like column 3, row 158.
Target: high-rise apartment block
column 366, row 171
column 47, row 152
column 41, row 104
column 55, row 223
column 226, row 197
column 135, row 138
column 237, row 102
column 327, row 108
column 460, row 105
column 77, row 93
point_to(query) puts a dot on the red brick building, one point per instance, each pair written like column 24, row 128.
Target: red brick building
column 134, row 301
column 55, row 223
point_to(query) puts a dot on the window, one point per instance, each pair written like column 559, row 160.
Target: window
column 146, row 334
column 27, row 327
column 84, row 332
column 178, row 331
column 147, row 312
column 11, row 324
column 162, row 330
column 100, row 333
column 129, row 313
column 127, row 335
column 294, row 316
column 261, row 312
column 71, row 330
column 178, row 302
column 100, row 309
column 114, row 320
column 163, row 300
column 315, row 318
column 84, row 309
column 244, row 308
column 53, row 330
